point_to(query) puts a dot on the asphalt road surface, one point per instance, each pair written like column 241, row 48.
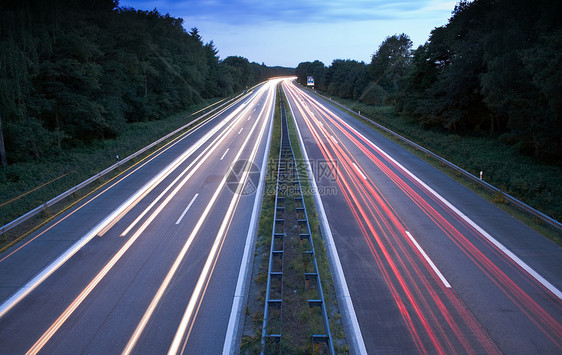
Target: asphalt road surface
column 150, row 264
column 431, row 267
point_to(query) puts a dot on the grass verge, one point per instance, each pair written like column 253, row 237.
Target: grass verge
column 26, row 185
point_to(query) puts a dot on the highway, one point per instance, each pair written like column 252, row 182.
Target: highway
column 430, row 266
column 156, row 260
column 150, row 263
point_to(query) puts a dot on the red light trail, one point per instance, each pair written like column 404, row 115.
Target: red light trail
column 435, row 317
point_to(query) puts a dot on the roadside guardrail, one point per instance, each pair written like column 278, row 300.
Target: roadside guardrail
column 8, row 226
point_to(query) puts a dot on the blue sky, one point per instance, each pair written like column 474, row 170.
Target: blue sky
column 287, row 32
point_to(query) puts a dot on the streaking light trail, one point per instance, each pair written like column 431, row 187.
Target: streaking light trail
column 429, row 306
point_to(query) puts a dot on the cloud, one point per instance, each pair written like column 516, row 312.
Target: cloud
column 248, row 12
column 286, row 32
column 437, row 5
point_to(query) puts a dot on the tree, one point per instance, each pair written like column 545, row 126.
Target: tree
column 316, row 69
column 346, row 78
column 390, row 63
column 76, row 71
column 3, row 156
column 494, row 69
column 524, row 69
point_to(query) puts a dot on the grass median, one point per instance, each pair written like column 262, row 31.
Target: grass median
column 251, row 337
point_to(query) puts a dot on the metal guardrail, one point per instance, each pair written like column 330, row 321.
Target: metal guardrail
column 5, row 228
column 288, row 186
column 517, row 203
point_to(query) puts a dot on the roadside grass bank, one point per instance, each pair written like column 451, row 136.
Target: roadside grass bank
column 538, row 185
column 251, row 338
column 24, row 186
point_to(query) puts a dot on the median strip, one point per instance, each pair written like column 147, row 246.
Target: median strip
column 303, row 326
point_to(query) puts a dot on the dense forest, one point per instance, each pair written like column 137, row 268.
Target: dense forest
column 494, row 69
column 74, row 71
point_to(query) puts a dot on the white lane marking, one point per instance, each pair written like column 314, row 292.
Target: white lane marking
column 344, row 298
column 96, row 230
column 243, row 274
column 359, row 171
column 164, row 285
column 486, row 235
column 187, row 208
column 227, row 149
column 443, row 279
column 334, row 139
column 241, row 129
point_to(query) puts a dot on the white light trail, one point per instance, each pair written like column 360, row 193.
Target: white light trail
column 164, row 285
column 211, row 259
column 163, row 174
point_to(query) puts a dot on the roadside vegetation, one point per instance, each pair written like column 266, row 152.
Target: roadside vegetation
column 85, row 83
column 484, row 92
column 26, row 185
column 76, row 72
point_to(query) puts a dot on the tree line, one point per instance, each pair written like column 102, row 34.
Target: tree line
column 75, row 71
column 494, row 69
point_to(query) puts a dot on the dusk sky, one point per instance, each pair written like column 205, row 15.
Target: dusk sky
column 288, row 32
